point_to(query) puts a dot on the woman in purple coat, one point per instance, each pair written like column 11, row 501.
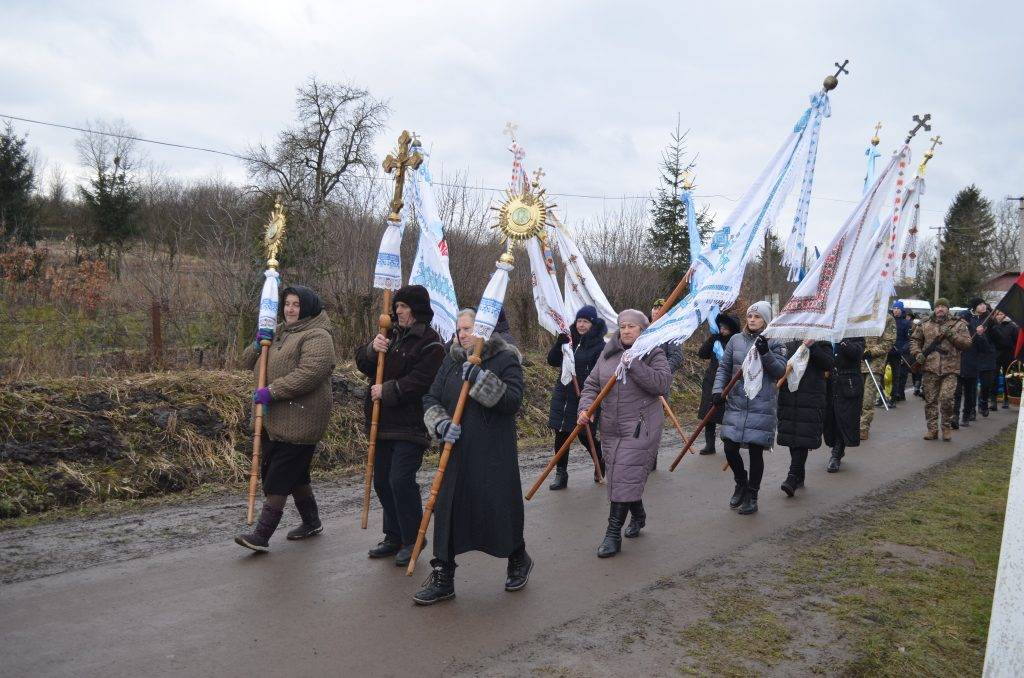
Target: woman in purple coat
column 631, row 421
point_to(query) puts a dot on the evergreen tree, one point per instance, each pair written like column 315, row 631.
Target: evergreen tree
column 111, row 202
column 17, row 180
column 669, row 238
column 967, row 232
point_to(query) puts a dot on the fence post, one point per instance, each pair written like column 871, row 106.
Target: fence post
column 157, row 340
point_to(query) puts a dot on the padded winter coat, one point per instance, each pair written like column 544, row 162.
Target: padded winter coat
column 802, row 412
column 631, row 417
column 750, row 421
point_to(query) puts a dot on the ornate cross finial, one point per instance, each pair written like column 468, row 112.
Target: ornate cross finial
column 929, row 154
column 398, row 162
column 875, row 140
column 832, row 81
column 510, row 130
column 538, row 174
column 921, row 122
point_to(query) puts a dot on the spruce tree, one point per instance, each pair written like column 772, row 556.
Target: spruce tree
column 967, row 231
column 17, row 180
column 669, row 238
column 112, row 202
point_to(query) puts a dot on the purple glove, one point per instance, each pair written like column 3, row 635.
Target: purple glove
column 262, row 396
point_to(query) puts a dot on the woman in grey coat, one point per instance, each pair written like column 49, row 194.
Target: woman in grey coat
column 631, row 421
column 749, row 422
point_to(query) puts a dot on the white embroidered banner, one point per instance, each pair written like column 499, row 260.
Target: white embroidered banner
column 492, row 301
column 387, row 274
column 269, row 300
column 909, row 255
column 820, row 306
column 581, row 287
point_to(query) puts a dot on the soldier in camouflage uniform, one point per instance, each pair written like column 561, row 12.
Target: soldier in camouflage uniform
column 941, row 367
column 876, row 351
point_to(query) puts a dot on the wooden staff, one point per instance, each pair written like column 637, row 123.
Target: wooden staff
column 590, row 438
column 672, row 417
column 712, row 411
column 442, row 464
column 257, row 432
column 383, row 326
column 669, row 303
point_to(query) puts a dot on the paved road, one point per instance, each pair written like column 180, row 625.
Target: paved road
column 323, row 608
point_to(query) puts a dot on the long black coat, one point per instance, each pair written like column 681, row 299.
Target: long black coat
column 480, row 504
column 981, row 356
column 802, row 412
column 845, row 394
column 1004, row 337
column 586, row 349
column 707, row 352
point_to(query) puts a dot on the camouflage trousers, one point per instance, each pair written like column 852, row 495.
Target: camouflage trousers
column 867, row 409
column 938, row 394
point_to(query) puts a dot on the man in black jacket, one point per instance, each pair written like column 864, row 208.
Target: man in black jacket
column 1004, row 336
column 413, row 352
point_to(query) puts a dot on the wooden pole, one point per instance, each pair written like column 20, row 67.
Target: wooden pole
column 257, row 433
column 592, row 446
column 712, row 411
column 672, row 417
column 442, row 464
column 383, row 326
column 572, row 436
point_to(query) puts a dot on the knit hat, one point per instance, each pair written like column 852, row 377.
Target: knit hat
column 417, row 298
column 309, row 303
column 942, row 301
column 763, row 309
column 898, row 304
column 587, row 313
column 631, row 315
column 658, row 303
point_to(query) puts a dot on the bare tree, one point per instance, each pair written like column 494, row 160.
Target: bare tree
column 311, row 162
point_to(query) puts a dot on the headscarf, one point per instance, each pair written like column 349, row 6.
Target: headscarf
column 309, row 303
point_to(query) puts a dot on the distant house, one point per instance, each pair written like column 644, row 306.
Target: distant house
column 995, row 287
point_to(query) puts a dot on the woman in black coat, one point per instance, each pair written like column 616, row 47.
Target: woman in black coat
column 727, row 326
column 587, row 343
column 802, row 412
column 480, row 504
column 845, row 400
column 846, row 394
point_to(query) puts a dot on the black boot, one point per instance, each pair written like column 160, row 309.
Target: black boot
column 709, row 440
column 387, row 548
column 749, row 504
column 612, row 543
column 966, row 421
column 637, row 521
column 520, row 565
column 404, row 554
column 311, row 525
column 790, row 484
column 440, row 585
column 737, row 494
column 561, row 479
column 259, row 538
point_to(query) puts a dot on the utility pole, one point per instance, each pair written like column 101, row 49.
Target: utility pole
column 1020, row 231
column 938, row 264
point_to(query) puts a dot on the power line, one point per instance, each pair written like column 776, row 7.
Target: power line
column 378, row 177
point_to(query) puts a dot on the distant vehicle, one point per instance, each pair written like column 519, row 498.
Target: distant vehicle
column 916, row 306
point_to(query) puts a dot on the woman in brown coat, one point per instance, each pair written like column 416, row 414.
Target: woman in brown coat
column 631, row 421
column 297, row 402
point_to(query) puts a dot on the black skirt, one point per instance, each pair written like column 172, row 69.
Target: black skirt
column 284, row 467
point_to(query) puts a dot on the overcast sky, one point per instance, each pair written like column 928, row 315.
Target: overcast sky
column 594, row 86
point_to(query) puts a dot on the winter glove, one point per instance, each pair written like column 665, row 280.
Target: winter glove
column 262, row 396
column 449, row 431
column 563, row 339
column 264, row 333
column 762, row 344
column 718, row 399
column 470, row 372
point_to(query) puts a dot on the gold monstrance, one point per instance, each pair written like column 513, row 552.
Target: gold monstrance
column 274, row 234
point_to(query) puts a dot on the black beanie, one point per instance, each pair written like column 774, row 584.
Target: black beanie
column 309, row 303
column 416, row 298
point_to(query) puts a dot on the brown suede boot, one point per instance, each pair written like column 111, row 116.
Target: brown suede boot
column 931, row 435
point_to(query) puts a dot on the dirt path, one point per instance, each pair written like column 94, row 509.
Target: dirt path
column 192, row 603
